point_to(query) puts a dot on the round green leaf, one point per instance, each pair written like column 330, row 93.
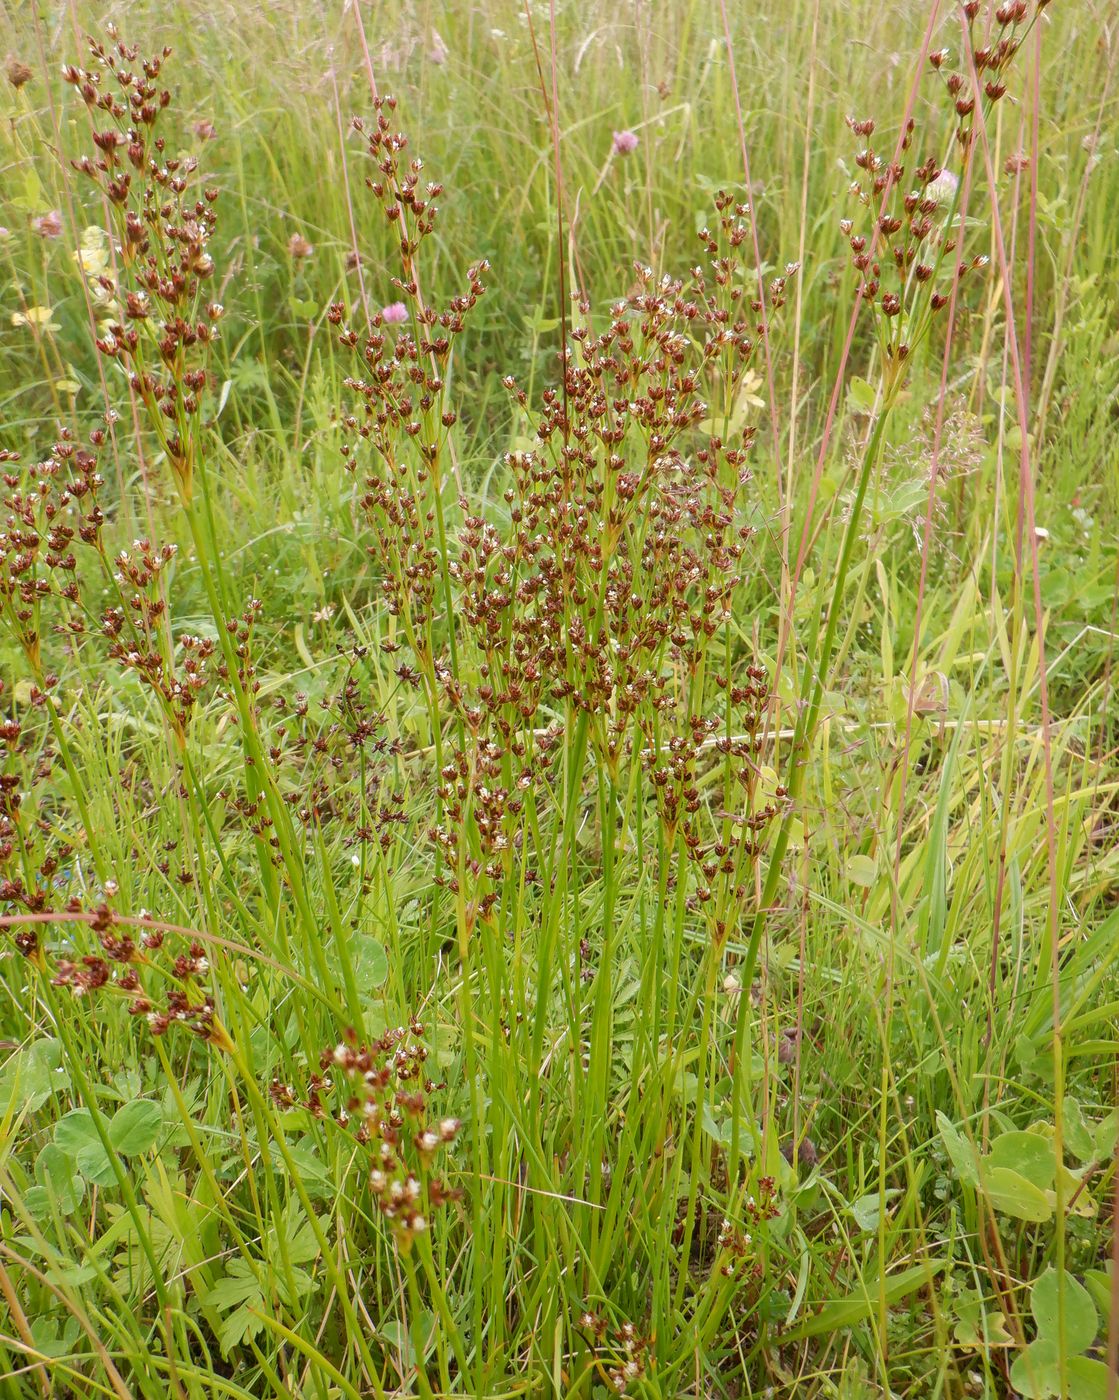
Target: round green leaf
column 370, row 962
column 862, row 871
column 1098, row 1284
column 1010, row 1193
column 76, row 1130
column 1080, row 1317
column 76, row 1135
column 135, row 1127
column 37, row 1202
column 33, row 1074
column 95, row 1165
column 959, row 1150
column 1088, row 1379
column 1078, row 1132
column 1105, row 1135
column 1036, row 1372
column 867, row 1210
column 1028, row 1154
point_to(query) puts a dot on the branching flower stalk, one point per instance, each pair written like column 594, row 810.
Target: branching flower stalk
column 163, row 338
column 903, row 320
column 401, row 413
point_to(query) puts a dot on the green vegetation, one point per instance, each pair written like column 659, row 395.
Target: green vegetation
column 525, row 882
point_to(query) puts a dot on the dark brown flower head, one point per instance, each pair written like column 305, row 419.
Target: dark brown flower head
column 381, row 1093
column 18, row 72
column 163, row 220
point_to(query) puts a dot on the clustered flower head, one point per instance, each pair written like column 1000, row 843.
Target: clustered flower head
column 18, row 72
column 738, row 1255
column 623, row 552
column 34, row 855
column 943, row 187
column 48, row 225
column 381, row 1092
column 620, row 1350
column 51, row 507
column 735, row 1245
column 991, row 59
column 616, row 563
column 907, row 261
column 399, row 420
column 163, row 987
column 47, row 506
column 625, row 142
column 163, row 219
column 53, row 511
column 315, row 755
column 135, row 641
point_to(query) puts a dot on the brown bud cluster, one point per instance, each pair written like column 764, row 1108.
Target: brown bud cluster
column 324, row 755
column 600, row 588
column 904, row 254
column 18, row 72
column 137, row 631
column 163, row 323
column 46, row 507
column 399, row 421
column 381, row 1093
column 1003, row 30
column 53, row 512
column 156, row 984
column 739, row 1252
column 621, row 1350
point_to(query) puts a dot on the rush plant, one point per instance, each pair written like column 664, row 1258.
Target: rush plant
column 431, row 1008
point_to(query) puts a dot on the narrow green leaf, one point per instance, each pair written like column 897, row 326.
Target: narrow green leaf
column 857, row 1307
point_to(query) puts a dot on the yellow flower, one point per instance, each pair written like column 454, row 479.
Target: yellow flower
column 93, row 255
column 35, row 316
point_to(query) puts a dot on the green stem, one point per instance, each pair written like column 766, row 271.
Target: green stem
column 803, row 735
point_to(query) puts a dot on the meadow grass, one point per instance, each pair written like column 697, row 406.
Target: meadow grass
column 521, row 882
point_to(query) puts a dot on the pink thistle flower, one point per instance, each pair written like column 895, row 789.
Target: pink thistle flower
column 48, row 225
column 625, row 142
column 395, row 314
